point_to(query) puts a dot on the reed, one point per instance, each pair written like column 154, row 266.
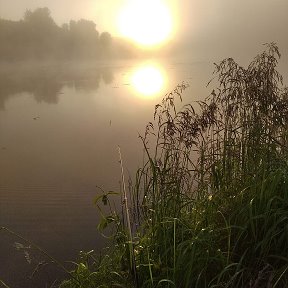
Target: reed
column 209, row 206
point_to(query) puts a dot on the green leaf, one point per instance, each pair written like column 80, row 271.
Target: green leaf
column 104, row 197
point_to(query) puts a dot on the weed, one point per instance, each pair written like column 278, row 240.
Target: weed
column 209, row 206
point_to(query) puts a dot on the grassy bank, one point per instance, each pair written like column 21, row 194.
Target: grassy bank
column 209, row 208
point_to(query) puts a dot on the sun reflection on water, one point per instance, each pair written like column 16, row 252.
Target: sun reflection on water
column 148, row 80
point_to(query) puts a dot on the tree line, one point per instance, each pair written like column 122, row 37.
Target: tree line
column 37, row 36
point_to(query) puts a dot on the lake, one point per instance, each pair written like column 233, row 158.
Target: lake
column 60, row 126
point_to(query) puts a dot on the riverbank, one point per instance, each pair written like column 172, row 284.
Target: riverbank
column 209, row 206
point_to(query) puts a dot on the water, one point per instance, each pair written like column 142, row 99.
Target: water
column 60, row 125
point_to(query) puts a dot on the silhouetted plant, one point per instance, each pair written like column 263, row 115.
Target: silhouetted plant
column 210, row 204
column 204, row 159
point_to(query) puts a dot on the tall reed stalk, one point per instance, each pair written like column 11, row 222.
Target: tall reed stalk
column 128, row 221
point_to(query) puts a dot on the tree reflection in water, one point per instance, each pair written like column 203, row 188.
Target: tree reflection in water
column 46, row 83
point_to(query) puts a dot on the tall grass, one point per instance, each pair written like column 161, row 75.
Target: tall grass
column 209, row 207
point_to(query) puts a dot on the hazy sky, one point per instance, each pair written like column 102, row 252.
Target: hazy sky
column 102, row 12
column 218, row 25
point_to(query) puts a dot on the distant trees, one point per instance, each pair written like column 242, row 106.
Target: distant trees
column 9, row 45
column 38, row 36
column 41, row 33
column 41, row 17
column 83, row 39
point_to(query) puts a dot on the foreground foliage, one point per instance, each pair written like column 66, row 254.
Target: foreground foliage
column 210, row 206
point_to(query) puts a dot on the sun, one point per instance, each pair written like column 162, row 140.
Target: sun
column 148, row 80
column 147, row 22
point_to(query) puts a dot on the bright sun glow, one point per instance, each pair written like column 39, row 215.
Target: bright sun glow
column 147, row 22
column 148, row 80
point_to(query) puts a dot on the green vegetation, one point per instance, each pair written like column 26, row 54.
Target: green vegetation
column 209, row 208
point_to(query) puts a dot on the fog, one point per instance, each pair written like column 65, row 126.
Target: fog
column 37, row 36
column 209, row 30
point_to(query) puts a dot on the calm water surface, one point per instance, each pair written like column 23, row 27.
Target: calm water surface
column 60, row 126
